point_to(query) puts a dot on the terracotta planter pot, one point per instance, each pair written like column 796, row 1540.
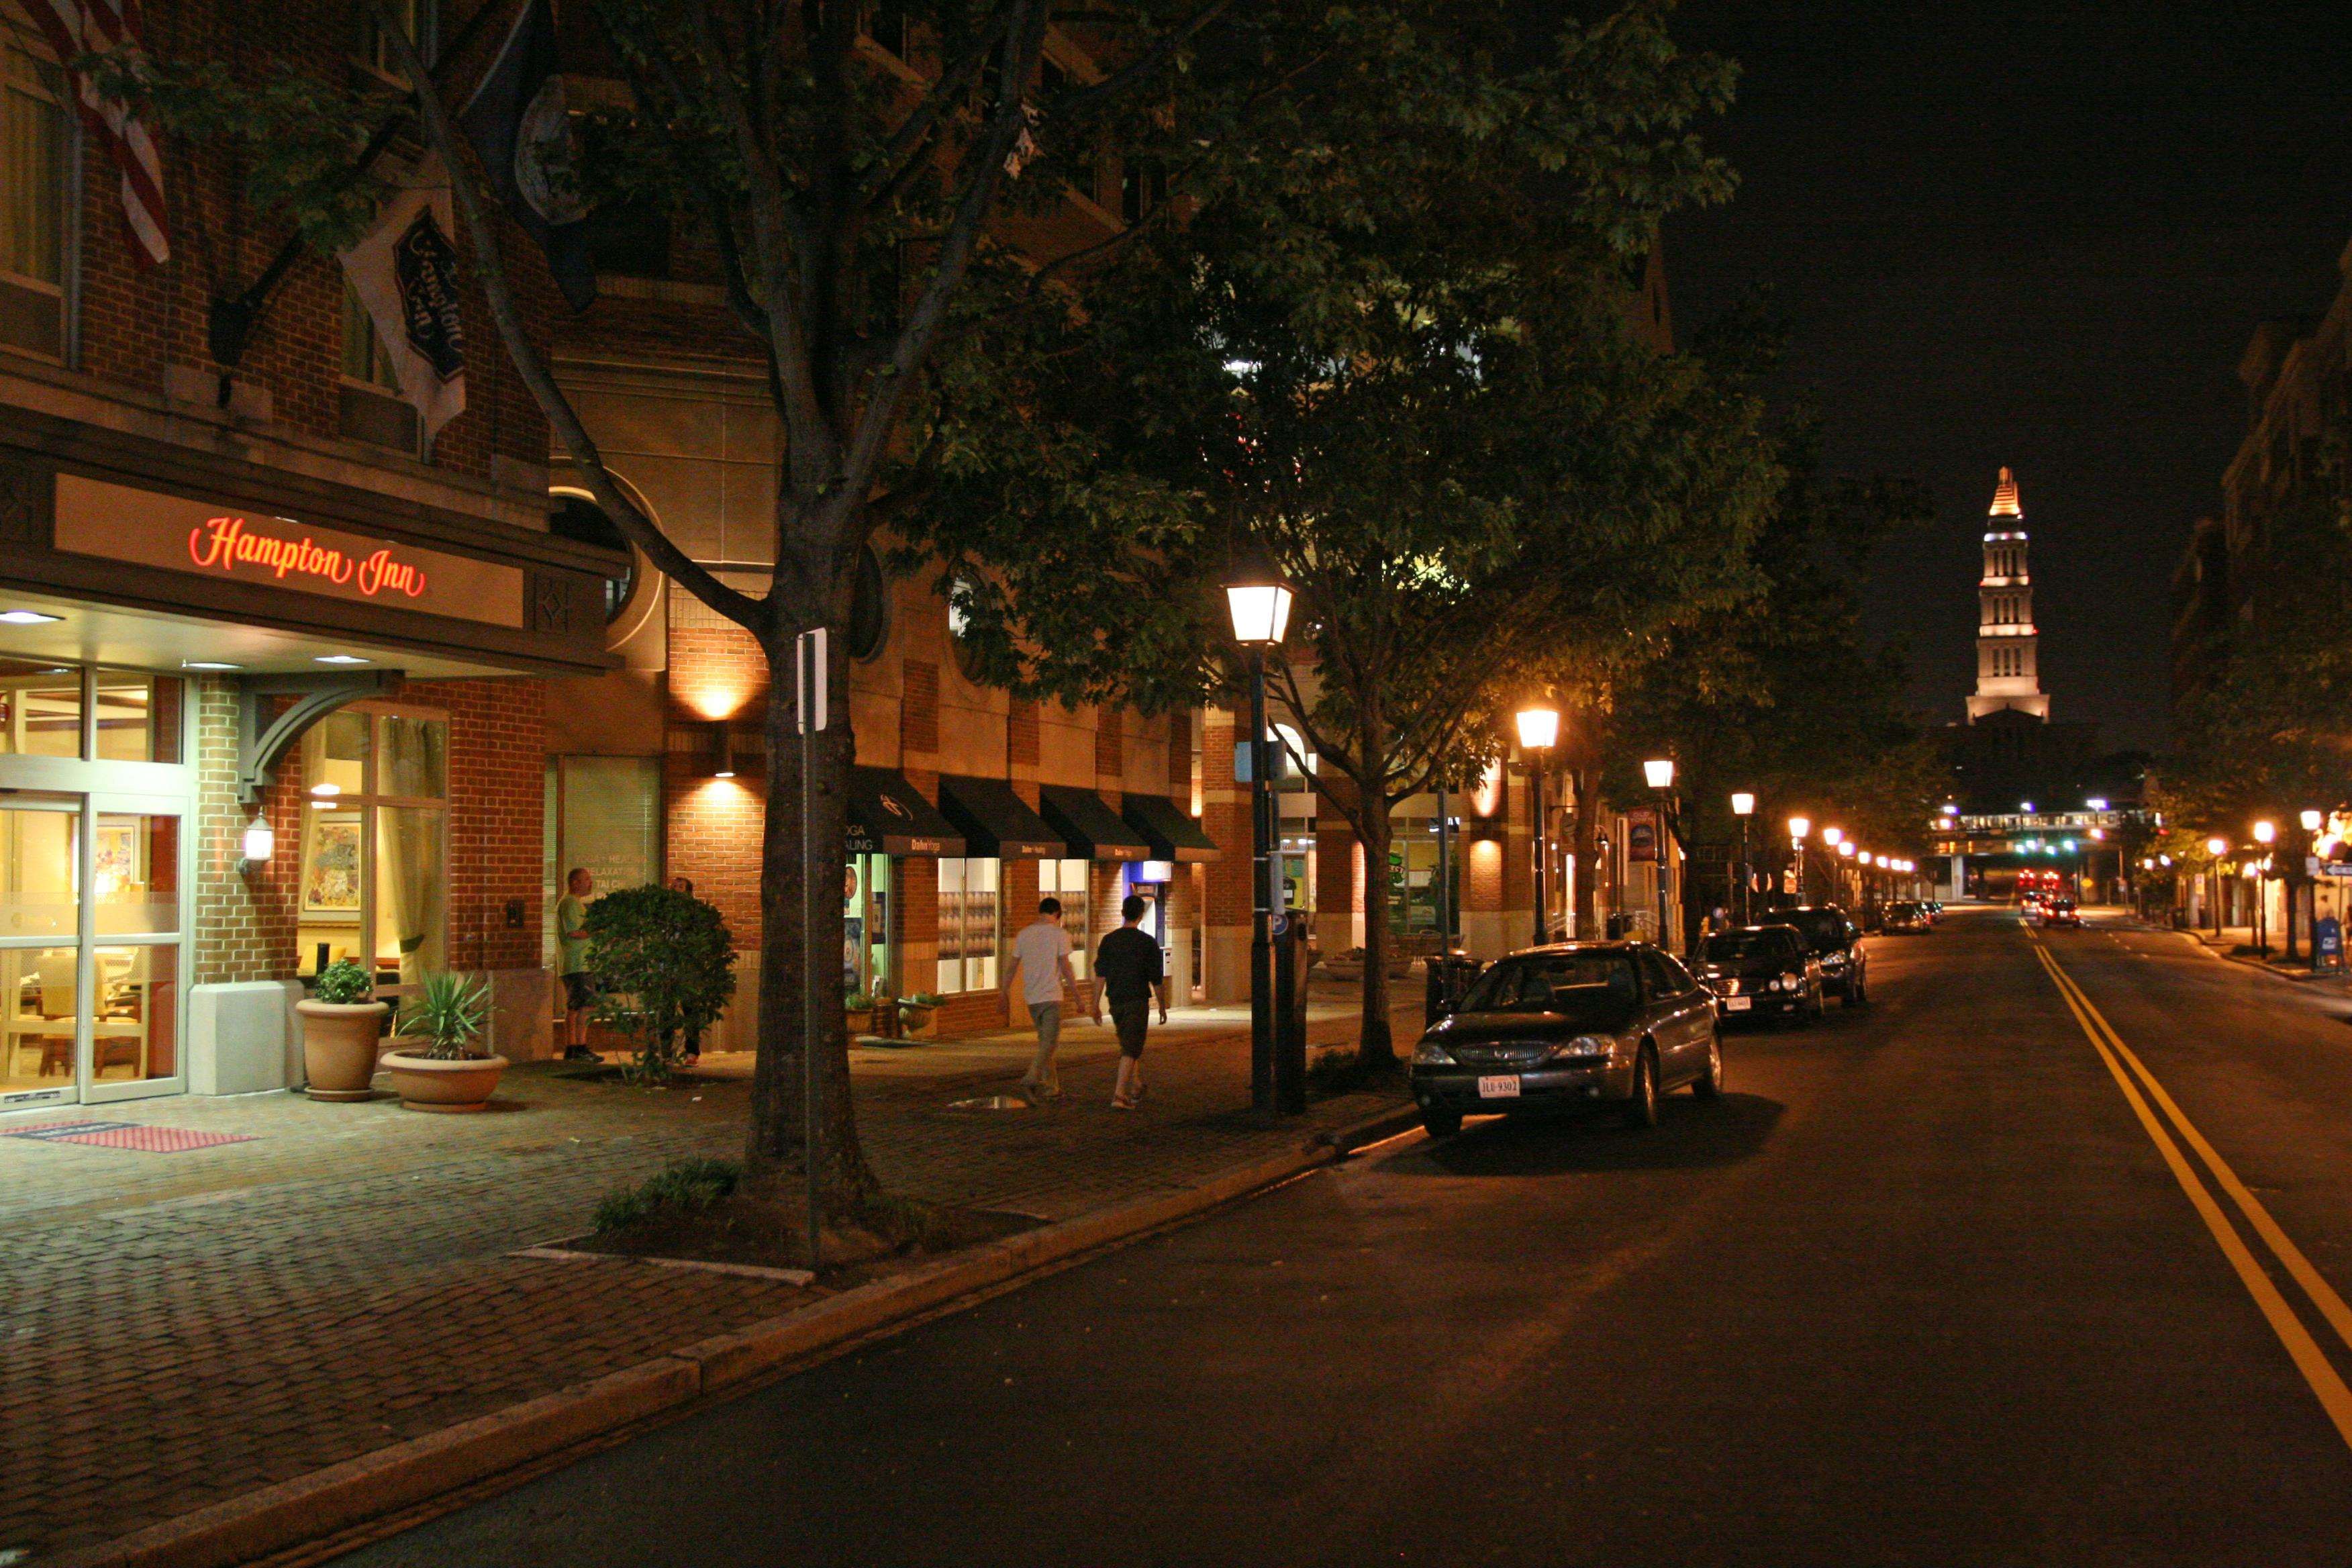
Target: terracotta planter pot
column 426, row 1084
column 339, row 1042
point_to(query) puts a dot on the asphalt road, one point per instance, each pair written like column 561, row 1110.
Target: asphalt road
column 1922, row 1288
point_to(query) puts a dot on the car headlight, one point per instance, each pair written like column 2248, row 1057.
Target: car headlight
column 1430, row 1054
column 1792, row 982
column 1583, row 1048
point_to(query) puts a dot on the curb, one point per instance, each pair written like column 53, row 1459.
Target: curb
column 290, row 1513
column 2258, row 965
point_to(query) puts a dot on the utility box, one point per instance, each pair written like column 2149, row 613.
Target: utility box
column 238, row 1041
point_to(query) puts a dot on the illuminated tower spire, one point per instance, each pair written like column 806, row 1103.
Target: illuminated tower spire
column 2006, row 676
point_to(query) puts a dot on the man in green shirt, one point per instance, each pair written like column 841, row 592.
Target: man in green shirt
column 571, row 963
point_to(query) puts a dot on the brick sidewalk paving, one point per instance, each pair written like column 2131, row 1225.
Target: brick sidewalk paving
column 177, row 1328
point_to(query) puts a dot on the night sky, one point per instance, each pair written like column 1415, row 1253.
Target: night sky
column 2039, row 236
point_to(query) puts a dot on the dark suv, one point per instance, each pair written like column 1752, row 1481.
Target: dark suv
column 1833, row 939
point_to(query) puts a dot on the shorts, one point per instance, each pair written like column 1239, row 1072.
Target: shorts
column 579, row 991
column 1131, row 1019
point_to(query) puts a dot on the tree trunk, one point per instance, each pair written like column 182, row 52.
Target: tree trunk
column 1375, row 1045
column 790, row 872
column 1588, row 856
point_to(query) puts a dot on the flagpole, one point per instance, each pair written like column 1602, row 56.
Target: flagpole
column 230, row 323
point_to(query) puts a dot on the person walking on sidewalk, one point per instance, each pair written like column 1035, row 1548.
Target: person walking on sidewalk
column 1130, row 968
column 1041, row 959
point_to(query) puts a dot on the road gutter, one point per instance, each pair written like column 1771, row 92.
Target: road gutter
column 325, row 1502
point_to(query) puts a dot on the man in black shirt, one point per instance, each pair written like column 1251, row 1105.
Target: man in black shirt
column 1128, row 966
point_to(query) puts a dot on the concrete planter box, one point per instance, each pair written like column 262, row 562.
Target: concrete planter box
column 338, row 1043
column 448, row 1086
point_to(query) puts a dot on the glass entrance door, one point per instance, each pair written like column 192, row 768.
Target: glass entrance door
column 90, row 986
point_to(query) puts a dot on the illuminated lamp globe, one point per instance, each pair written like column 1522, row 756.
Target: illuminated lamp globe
column 2265, row 831
column 1799, row 826
column 1258, row 601
column 1538, row 728
column 2311, row 821
column 1742, row 803
column 1659, row 771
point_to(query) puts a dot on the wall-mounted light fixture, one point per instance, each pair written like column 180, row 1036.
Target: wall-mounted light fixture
column 260, row 844
column 722, row 750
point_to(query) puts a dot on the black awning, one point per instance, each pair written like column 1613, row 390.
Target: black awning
column 996, row 823
column 1169, row 829
column 1094, row 830
column 888, row 817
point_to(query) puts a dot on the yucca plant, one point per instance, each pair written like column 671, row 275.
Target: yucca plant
column 448, row 1014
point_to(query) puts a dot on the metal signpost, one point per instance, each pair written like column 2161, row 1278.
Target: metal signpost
column 809, row 699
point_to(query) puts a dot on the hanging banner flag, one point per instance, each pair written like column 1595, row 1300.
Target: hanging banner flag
column 405, row 272
column 74, row 28
column 518, row 122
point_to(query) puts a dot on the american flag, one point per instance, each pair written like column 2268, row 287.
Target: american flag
column 78, row 27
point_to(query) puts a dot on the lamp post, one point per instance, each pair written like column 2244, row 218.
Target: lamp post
column 2265, row 835
column 1258, row 602
column 2311, row 820
column 1743, row 807
column 1538, row 732
column 1659, row 771
column 1846, row 851
column 2216, row 846
column 1800, row 827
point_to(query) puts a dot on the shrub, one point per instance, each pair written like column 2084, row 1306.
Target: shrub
column 665, row 963
column 345, row 982
column 684, row 1186
column 448, row 1014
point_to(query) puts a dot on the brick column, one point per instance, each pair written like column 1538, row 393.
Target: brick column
column 1339, row 877
column 1226, row 940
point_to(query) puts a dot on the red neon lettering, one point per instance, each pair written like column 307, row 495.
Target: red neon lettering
column 226, row 543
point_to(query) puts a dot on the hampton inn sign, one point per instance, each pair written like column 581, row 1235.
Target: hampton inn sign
column 144, row 528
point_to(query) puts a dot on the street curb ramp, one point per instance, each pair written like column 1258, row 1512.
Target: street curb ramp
column 275, row 1517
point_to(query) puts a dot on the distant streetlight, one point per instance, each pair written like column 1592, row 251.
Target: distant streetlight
column 2216, row 847
column 1800, row 827
column 1743, row 807
column 1659, row 771
column 1258, row 602
column 1538, row 732
column 2311, row 821
column 2265, row 831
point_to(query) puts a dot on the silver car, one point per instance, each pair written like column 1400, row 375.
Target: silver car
column 1569, row 1024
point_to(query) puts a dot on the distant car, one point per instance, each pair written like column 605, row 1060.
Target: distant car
column 1906, row 917
column 1834, row 940
column 1574, row 1024
column 2061, row 912
column 1762, row 972
column 1934, row 911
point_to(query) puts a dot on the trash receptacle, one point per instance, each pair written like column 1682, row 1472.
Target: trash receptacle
column 1450, row 975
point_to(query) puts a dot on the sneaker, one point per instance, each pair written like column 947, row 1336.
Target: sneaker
column 581, row 1054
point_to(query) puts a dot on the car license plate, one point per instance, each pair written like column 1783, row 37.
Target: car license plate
column 1503, row 1085
column 1738, row 1003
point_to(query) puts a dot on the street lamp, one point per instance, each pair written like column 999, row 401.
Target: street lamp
column 2311, row 820
column 1660, row 773
column 2216, row 846
column 1258, row 602
column 2265, row 835
column 1743, row 807
column 1539, row 733
column 1800, row 827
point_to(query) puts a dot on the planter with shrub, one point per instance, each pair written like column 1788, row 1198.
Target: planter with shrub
column 342, row 1025
column 442, row 1071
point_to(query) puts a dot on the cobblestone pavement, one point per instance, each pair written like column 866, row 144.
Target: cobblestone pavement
column 177, row 1328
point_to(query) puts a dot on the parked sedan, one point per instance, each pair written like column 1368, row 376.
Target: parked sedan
column 1836, row 941
column 1762, row 972
column 1570, row 1024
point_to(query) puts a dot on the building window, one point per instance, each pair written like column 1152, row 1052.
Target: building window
column 130, row 717
column 603, row 813
column 1143, row 185
column 375, row 843
column 1067, row 881
column 32, row 202
column 576, row 517
column 967, row 924
column 371, row 408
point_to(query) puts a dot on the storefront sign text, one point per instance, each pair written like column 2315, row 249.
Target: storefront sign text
column 229, row 542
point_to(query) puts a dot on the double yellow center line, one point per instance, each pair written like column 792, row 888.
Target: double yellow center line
column 2163, row 1119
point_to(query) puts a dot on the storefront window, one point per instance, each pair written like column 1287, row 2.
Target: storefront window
column 139, row 717
column 38, row 986
column 967, row 924
column 136, row 1033
column 866, row 966
column 374, row 874
column 1067, row 881
column 41, row 710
